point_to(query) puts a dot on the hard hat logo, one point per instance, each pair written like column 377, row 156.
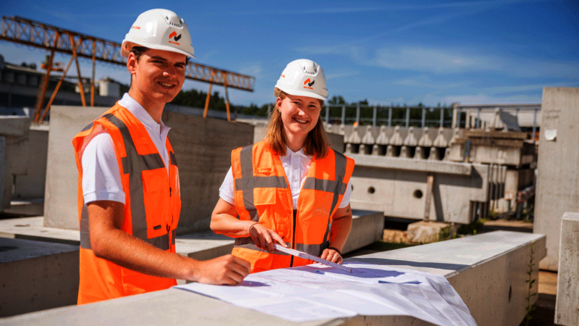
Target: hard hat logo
column 309, row 83
column 175, row 36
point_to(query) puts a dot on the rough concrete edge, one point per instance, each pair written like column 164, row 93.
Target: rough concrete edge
column 540, row 237
column 571, row 217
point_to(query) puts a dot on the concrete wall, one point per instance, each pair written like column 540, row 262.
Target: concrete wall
column 558, row 172
column 60, row 206
column 397, row 187
column 202, row 149
column 32, row 184
column 36, row 276
column 16, row 131
column 567, row 306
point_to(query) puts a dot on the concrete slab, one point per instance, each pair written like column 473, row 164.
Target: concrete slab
column 567, row 309
column 36, row 276
column 396, row 163
column 558, row 172
column 15, row 129
column 488, row 271
column 367, row 228
column 32, row 228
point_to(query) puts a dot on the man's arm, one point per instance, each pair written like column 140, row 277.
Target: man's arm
column 108, row 241
column 341, row 225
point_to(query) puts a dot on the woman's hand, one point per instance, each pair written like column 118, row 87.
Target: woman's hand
column 264, row 238
column 332, row 255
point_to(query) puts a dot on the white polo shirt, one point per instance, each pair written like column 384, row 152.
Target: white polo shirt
column 101, row 179
column 296, row 166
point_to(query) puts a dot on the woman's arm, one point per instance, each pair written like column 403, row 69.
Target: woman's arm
column 341, row 225
column 224, row 221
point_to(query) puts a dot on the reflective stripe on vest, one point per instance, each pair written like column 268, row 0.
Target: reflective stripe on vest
column 248, row 182
column 133, row 164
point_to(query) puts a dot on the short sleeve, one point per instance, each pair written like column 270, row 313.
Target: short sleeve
column 101, row 177
column 226, row 191
column 346, row 199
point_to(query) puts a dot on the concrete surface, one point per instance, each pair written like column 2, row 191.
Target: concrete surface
column 488, row 271
column 15, row 129
column 36, row 276
column 567, row 309
column 31, row 185
column 2, row 168
column 399, row 189
column 202, row 149
column 558, row 172
column 60, row 200
column 367, row 227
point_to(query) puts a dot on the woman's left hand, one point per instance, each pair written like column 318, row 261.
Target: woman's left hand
column 332, row 255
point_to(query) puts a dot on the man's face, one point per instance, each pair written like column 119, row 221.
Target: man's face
column 157, row 75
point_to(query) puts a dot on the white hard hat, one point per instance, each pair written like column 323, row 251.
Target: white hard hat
column 303, row 77
column 159, row 29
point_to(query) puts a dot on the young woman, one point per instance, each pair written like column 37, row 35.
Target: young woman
column 291, row 188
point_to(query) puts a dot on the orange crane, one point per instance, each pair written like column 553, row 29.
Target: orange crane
column 55, row 39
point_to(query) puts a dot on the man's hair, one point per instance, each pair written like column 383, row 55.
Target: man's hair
column 316, row 142
column 139, row 50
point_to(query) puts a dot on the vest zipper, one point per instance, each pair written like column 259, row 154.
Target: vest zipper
column 295, row 213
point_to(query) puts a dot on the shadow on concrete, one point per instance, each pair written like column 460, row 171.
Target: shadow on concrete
column 396, row 262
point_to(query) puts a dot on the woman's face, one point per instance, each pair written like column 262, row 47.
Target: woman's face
column 299, row 114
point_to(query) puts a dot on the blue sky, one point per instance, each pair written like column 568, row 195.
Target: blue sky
column 472, row 52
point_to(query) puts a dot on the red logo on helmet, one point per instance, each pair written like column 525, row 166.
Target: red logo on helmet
column 175, row 37
column 309, row 83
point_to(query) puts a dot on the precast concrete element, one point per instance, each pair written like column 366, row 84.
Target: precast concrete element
column 202, row 150
column 488, row 271
column 31, row 185
column 60, row 195
column 36, row 276
column 15, row 130
column 367, row 227
column 398, row 187
column 426, row 231
column 558, row 172
column 493, row 147
column 567, row 306
column 2, row 168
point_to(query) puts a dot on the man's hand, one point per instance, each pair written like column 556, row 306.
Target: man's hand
column 264, row 237
column 229, row 270
column 332, row 255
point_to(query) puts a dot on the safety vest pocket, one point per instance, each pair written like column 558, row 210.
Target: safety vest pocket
column 156, row 201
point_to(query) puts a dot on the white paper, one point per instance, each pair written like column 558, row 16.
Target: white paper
column 317, row 292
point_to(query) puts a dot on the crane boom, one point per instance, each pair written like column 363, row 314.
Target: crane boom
column 32, row 33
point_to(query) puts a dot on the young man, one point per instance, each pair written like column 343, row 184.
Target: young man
column 129, row 196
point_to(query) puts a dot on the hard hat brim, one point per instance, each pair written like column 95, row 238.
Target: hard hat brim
column 127, row 45
column 302, row 93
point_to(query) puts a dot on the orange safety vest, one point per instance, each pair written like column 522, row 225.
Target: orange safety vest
column 262, row 195
column 151, row 212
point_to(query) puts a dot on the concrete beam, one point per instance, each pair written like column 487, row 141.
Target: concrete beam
column 567, row 306
column 557, row 191
column 36, row 276
column 405, row 164
column 488, row 271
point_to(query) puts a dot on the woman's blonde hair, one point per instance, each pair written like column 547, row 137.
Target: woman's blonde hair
column 316, row 142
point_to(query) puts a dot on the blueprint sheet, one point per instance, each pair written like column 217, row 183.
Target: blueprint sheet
column 317, row 292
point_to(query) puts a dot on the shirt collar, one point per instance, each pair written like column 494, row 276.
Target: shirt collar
column 289, row 152
column 140, row 113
